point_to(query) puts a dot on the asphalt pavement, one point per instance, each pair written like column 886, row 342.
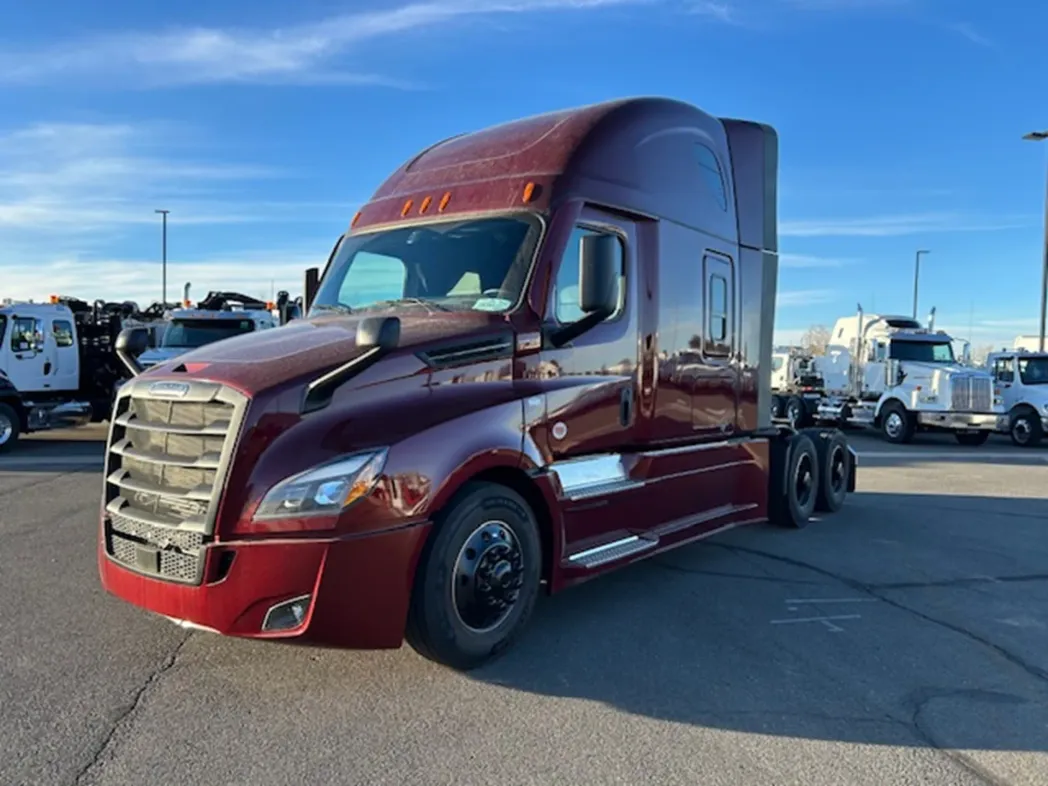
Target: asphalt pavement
column 901, row 641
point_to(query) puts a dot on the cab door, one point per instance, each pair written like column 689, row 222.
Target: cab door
column 25, row 347
column 62, row 345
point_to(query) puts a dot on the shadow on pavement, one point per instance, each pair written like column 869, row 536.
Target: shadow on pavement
column 903, row 620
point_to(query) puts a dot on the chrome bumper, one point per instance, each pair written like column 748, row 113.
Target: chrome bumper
column 967, row 421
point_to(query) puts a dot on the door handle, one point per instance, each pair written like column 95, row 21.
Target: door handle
column 626, row 406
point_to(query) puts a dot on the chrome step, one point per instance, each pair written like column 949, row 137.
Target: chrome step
column 609, row 552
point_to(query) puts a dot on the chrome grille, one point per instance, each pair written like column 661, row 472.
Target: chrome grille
column 169, row 450
column 971, row 393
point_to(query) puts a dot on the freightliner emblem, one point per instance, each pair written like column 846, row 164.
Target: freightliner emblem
column 169, row 389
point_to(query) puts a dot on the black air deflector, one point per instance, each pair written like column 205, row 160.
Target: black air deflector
column 468, row 351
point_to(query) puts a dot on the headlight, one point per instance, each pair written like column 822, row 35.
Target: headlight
column 323, row 490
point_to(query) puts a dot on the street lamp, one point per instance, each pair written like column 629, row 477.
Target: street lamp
column 1040, row 136
column 916, row 275
column 163, row 214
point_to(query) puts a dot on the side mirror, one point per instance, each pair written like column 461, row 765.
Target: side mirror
column 131, row 343
column 380, row 332
column 599, row 268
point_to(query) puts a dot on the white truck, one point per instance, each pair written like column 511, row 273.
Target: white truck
column 58, row 365
column 1022, row 383
column 898, row 377
column 218, row 316
column 796, row 386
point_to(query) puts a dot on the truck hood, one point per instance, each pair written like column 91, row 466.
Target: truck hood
column 151, row 357
column 262, row 360
column 915, row 368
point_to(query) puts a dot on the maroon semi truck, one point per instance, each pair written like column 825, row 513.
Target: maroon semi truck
column 540, row 352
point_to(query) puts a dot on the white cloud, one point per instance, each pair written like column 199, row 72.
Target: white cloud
column 76, row 179
column 970, row 32
column 803, row 297
column 898, row 225
column 804, row 261
column 256, row 274
column 298, row 53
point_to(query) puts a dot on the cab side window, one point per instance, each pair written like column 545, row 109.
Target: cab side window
column 566, row 286
column 1004, row 370
column 63, row 332
column 24, row 331
column 718, row 303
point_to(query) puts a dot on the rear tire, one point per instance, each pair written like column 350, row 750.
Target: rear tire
column 794, row 482
column 10, row 428
column 834, row 469
column 795, row 412
column 478, row 578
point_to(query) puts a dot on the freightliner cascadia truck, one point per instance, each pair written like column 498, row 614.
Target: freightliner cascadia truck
column 539, row 353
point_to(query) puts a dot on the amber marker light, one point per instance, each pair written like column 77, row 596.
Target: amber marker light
column 406, row 209
column 529, row 192
column 425, row 205
column 444, row 201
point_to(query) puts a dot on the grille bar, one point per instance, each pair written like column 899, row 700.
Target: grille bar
column 170, row 447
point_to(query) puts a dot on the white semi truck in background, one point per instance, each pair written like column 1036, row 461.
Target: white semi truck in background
column 895, row 375
column 1021, row 378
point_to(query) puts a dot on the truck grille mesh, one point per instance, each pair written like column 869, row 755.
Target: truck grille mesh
column 971, row 394
column 169, row 449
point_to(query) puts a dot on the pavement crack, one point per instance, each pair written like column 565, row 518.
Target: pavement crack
column 1034, row 671
column 132, row 707
column 924, row 733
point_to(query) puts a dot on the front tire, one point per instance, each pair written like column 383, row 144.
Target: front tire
column 10, row 427
column 478, row 578
column 795, row 412
column 897, row 424
column 1026, row 430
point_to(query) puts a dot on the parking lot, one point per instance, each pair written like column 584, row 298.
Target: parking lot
column 902, row 641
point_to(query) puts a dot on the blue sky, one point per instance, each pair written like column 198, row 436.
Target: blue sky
column 261, row 125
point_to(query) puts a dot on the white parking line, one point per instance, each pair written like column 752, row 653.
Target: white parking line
column 944, row 455
column 16, row 462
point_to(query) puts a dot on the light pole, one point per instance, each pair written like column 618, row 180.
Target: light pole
column 1040, row 136
column 916, row 276
column 163, row 274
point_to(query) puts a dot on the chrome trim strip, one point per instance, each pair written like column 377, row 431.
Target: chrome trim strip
column 122, row 478
column 121, row 507
column 219, row 429
column 616, row 544
column 588, row 472
column 207, row 461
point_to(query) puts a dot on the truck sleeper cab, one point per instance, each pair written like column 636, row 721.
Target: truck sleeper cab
column 539, row 353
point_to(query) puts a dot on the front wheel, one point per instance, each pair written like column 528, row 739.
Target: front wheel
column 896, row 423
column 971, row 439
column 1026, row 430
column 478, row 578
column 10, row 427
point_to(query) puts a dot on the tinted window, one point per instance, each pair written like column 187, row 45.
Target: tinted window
column 922, row 352
column 193, row 333
column 712, row 176
column 63, row 332
column 776, row 363
column 478, row 264
column 718, row 323
column 372, row 277
column 1033, row 371
column 566, row 287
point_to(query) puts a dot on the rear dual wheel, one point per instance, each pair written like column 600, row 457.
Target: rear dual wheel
column 810, row 473
column 478, row 578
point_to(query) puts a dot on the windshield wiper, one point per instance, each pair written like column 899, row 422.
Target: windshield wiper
column 340, row 308
column 418, row 301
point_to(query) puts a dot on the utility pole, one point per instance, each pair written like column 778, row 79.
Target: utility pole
column 916, row 276
column 163, row 263
column 1040, row 136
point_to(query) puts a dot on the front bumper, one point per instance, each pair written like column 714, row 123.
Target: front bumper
column 964, row 421
column 360, row 588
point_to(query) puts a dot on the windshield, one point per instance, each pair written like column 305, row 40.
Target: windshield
column 922, row 352
column 479, row 264
column 776, row 362
column 1033, row 371
column 193, row 333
